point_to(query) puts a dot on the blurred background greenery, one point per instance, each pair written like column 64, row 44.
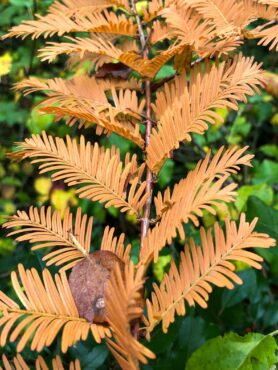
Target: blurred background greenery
column 250, row 307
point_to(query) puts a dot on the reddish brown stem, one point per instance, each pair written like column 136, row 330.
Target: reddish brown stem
column 145, row 220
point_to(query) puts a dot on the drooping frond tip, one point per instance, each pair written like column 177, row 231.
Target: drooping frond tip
column 202, row 267
column 183, row 108
column 47, row 229
column 215, row 28
column 71, row 241
column 204, row 188
column 124, row 308
column 48, row 308
column 59, row 23
column 83, row 6
column 19, row 364
column 85, row 100
column 97, row 172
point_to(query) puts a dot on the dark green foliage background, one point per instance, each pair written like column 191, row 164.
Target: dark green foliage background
column 252, row 307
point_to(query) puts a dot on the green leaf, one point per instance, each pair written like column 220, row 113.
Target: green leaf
column 37, row 123
column 90, row 359
column 254, row 351
column 185, row 335
column 268, row 217
column 11, row 114
column 267, row 172
column 165, row 71
column 7, row 245
column 120, row 142
column 247, row 289
column 27, row 3
column 166, row 173
column 271, row 150
column 95, row 358
column 160, row 266
column 261, row 191
column 11, row 181
column 267, row 223
column 239, row 130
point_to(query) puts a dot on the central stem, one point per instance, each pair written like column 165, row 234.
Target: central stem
column 149, row 178
column 145, row 221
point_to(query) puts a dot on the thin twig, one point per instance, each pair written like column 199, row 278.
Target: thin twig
column 149, row 178
column 145, row 221
column 139, row 24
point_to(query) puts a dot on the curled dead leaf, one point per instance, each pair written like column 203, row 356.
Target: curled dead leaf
column 87, row 282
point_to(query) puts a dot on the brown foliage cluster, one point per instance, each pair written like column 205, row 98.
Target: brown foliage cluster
column 104, row 293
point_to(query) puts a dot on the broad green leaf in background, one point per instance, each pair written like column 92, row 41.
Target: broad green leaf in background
column 267, row 223
column 268, row 217
column 10, row 113
column 254, row 351
column 166, row 173
column 27, row 3
column 90, row 358
column 165, row 71
column 247, row 289
column 185, row 335
column 37, row 123
column 7, row 245
column 261, row 191
column 160, row 266
column 271, row 150
column 240, row 129
column 267, row 172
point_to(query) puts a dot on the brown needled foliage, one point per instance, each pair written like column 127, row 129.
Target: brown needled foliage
column 19, row 364
column 98, row 288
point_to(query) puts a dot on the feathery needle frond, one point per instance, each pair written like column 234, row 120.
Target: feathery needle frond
column 124, row 305
column 84, row 99
column 19, row 364
column 187, row 26
column 47, row 229
column 60, row 23
column 268, row 35
column 99, row 170
column 203, row 189
column 269, row 2
column 48, row 309
column 225, row 16
column 223, row 163
column 71, row 7
column 97, row 46
column 201, row 267
column 184, row 108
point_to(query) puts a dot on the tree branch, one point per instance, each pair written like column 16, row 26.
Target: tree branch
column 145, row 221
column 149, row 177
column 139, row 24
